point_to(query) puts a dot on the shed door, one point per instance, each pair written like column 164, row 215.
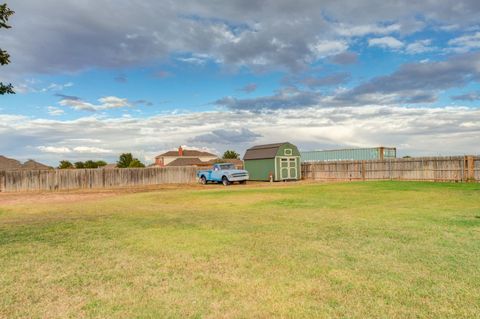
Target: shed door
column 292, row 167
column 288, row 168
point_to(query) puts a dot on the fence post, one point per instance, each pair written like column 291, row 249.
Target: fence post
column 363, row 170
column 2, row 181
column 470, row 169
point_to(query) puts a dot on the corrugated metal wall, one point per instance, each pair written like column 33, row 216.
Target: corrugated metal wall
column 357, row 154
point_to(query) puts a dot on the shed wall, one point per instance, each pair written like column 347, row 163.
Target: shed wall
column 259, row 170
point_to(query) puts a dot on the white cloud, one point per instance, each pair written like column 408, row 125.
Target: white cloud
column 54, row 149
column 426, row 131
column 326, row 48
column 55, row 111
column 419, row 46
column 89, row 149
column 362, row 30
column 465, row 43
column 386, row 42
column 106, row 103
column 77, row 149
column 34, row 86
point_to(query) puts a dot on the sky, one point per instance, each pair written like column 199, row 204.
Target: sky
column 98, row 78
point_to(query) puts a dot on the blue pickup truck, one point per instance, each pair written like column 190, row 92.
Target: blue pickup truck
column 225, row 173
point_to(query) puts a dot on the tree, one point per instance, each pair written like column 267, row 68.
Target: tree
column 101, row 163
column 65, row 165
column 230, row 154
column 136, row 163
column 124, row 160
column 79, row 165
column 91, row 164
column 5, row 14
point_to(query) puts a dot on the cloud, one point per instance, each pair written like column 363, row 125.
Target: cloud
column 414, row 130
column 54, row 149
column 386, row 43
column 55, row 111
column 328, row 80
column 249, row 88
column 34, row 86
column 471, row 96
column 77, row 150
column 143, row 102
column 288, row 98
column 415, row 82
column 121, row 78
column 419, row 46
column 223, row 136
column 362, row 30
column 466, row 42
column 106, row 103
column 345, row 58
column 78, row 36
column 67, row 97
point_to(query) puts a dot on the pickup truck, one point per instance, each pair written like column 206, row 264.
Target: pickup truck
column 223, row 173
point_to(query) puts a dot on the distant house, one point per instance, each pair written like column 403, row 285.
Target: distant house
column 183, row 157
column 10, row 164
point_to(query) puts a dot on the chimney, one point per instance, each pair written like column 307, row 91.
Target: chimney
column 180, row 151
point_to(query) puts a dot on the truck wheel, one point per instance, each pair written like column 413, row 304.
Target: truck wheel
column 203, row 180
column 225, row 181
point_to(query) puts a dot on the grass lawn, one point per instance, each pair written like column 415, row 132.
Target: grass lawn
column 348, row 250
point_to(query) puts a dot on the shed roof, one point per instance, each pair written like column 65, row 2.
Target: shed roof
column 263, row 151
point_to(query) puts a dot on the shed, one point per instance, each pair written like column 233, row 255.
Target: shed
column 282, row 160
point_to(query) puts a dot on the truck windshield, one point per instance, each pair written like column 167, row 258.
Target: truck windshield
column 227, row 166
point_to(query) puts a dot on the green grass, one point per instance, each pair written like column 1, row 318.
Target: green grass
column 350, row 250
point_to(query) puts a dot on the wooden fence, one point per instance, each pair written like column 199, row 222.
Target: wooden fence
column 69, row 179
column 454, row 168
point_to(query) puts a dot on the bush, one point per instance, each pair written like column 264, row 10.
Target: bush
column 65, row 165
column 230, row 154
column 136, row 163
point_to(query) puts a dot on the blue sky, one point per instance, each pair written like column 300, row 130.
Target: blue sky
column 98, row 78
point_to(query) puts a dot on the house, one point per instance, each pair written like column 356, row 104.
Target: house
column 183, row 157
column 10, row 164
column 281, row 161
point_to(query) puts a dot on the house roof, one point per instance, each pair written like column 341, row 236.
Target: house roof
column 262, row 151
column 33, row 165
column 10, row 164
column 7, row 164
column 186, row 153
column 182, row 161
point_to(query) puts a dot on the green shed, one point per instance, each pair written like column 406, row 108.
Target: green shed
column 281, row 160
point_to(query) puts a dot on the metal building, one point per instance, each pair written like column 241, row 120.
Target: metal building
column 350, row 154
column 281, row 161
